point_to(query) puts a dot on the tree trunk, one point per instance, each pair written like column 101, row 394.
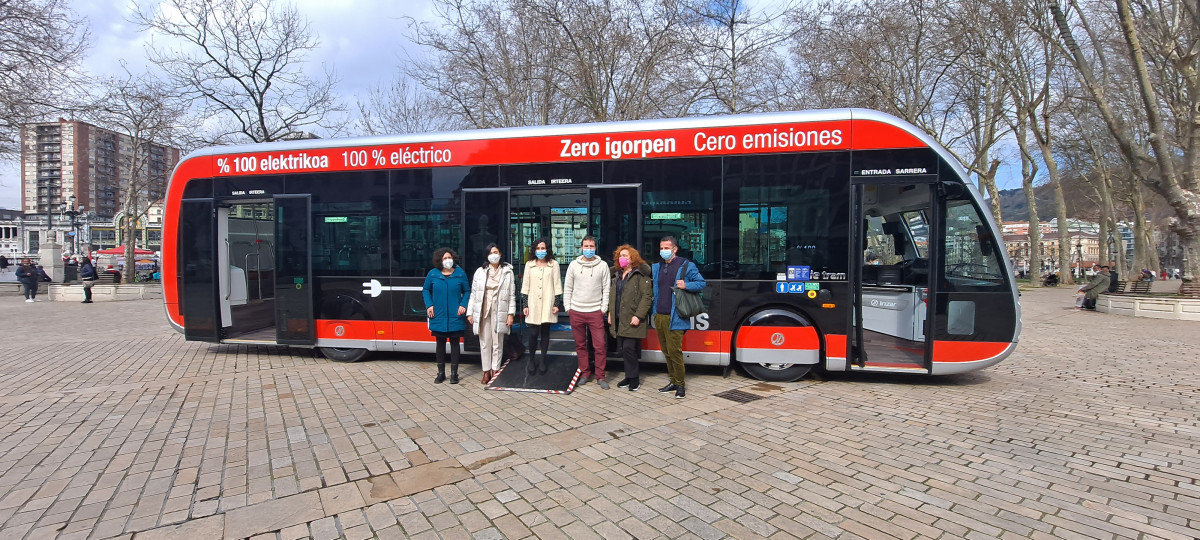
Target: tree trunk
column 1044, row 143
column 1028, row 173
column 1141, row 248
column 988, row 181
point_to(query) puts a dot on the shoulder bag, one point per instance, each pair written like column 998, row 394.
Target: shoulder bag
column 688, row 304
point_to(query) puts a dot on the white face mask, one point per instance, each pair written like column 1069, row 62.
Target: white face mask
column 494, row 258
column 447, row 263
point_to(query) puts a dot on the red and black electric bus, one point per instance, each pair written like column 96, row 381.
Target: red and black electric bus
column 839, row 239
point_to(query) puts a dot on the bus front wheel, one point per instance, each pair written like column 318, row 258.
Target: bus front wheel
column 338, row 354
column 777, row 372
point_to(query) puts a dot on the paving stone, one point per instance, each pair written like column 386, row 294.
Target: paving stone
column 143, row 429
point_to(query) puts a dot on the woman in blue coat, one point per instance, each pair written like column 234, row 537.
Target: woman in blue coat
column 446, row 293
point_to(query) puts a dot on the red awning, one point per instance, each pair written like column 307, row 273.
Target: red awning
column 121, row 251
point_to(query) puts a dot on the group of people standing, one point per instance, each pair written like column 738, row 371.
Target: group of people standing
column 30, row 276
column 629, row 295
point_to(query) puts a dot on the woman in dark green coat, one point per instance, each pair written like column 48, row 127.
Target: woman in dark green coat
column 629, row 303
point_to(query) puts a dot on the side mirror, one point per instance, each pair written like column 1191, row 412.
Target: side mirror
column 986, row 242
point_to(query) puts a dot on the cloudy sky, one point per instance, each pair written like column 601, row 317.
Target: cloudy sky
column 362, row 40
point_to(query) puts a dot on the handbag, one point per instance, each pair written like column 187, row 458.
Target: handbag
column 687, row 303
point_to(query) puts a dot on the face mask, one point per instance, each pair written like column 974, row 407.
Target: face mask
column 589, row 253
column 624, row 262
column 494, row 258
column 666, row 254
column 447, row 263
column 541, row 253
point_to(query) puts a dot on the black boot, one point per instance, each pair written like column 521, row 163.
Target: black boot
column 454, row 374
column 441, row 376
column 542, row 364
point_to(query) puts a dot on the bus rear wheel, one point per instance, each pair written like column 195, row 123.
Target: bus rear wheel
column 777, row 372
column 339, row 354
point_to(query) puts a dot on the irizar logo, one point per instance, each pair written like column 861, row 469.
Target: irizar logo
column 777, row 339
column 882, row 303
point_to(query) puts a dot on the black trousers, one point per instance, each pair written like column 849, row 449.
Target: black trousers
column 539, row 333
column 455, row 349
column 631, row 353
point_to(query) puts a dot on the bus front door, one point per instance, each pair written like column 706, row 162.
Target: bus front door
column 293, row 271
column 892, row 283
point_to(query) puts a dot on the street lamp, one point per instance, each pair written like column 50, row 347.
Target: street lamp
column 73, row 213
column 1079, row 251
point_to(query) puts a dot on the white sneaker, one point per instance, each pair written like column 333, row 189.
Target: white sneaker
column 29, row 300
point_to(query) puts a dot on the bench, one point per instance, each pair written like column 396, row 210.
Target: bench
column 1132, row 287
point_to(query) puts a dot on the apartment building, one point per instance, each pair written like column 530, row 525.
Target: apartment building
column 73, row 158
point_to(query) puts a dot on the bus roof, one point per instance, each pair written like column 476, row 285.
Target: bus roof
column 887, row 131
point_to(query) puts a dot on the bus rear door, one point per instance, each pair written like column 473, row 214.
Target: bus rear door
column 198, row 270
column 293, row 271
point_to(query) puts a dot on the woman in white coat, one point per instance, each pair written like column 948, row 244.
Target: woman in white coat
column 491, row 309
column 541, row 287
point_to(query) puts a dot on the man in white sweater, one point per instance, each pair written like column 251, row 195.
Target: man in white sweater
column 585, row 296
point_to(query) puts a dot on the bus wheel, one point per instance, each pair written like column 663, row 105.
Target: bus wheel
column 777, row 372
column 338, row 354
column 776, row 345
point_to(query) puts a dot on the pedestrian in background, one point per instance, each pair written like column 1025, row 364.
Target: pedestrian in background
column 3, row 263
column 446, row 293
column 585, row 297
column 541, row 286
column 491, row 309
column 631, row 296
column 27, row 274
column 673, row 272
column 1093, row 288
column 87, row 274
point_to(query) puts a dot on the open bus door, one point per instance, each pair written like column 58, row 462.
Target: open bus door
column 485, row 218
column 615, row 214
column 197, row 265
column 895, row 242
column 293, row 271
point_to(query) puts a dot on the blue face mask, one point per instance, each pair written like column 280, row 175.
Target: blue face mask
column 589, row 253
column 666, row 254
column 541, row 253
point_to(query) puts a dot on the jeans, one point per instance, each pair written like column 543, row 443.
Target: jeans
column 582, row 325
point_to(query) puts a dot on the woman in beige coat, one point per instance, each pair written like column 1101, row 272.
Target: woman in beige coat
column 491, row 308
column 541, row 286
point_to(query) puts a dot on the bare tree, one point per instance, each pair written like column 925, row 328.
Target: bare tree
column 400, row 107
column 243, row 61
column 489, row 66
column 499, row 63
column 41, row 44
column 736, row 47
column 620, row 61
column 1174, row 30
column 149, row 111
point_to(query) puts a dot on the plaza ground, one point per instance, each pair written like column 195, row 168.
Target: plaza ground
column 111, row 425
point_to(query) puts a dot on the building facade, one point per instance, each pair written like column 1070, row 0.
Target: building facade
column 69, row 158
column 1083, row 246
column 22, row 235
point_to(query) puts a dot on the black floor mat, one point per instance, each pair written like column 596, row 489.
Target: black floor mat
column 561, row 374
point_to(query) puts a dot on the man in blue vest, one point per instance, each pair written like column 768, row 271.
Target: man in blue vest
column 672, row 272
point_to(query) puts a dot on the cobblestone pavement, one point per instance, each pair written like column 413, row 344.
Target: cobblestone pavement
column 111, row 424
